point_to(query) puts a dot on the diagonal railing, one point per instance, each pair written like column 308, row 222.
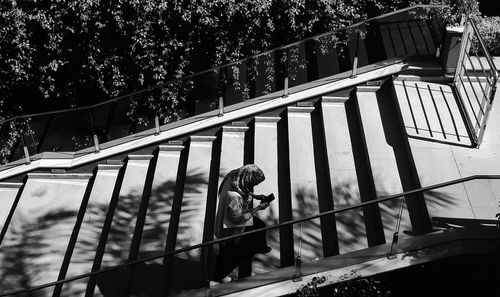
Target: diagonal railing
column 271, row 72
column 475, row 80
column 206, row 247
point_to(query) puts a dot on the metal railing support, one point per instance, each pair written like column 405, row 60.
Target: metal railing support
column 157, row 125
column 26, row 155
column 298, row 261
column 221, row 106
column 285, row 89
column 96, row 139
column 471, row 38
column 96, row 144
column 354, row 68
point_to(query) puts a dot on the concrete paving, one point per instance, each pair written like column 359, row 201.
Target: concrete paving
column 439, row 161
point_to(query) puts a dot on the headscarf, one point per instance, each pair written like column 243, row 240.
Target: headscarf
column 243, row 179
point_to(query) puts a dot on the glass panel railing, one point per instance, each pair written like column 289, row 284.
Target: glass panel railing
column 403, row 33
column 299, row 248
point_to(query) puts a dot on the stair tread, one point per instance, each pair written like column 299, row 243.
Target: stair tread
column 10, row 185
column 171, row 147
column 140, row 157
column 47, row 175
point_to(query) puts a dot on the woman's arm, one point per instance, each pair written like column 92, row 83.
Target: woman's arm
column 236, row 214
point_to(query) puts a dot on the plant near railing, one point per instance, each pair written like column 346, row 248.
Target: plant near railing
column 311, row 288
column 490, row 32
column 351, row 285
column 148, row 59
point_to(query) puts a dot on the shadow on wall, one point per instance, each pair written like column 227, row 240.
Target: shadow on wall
column 350, row 224
column 149, row 279
column 29, row 245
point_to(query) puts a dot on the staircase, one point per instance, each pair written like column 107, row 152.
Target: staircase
column 323, row 149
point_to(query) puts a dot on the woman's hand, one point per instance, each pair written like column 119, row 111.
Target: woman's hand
column 263, row 205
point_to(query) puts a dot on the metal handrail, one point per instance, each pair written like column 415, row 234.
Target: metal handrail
column 477, row 130
column 280, row 225
column 487, row 55
column 213, row 69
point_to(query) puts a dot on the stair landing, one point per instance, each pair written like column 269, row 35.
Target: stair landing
column 430, row 111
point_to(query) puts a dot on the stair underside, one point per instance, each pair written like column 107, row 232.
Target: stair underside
column 367, row 262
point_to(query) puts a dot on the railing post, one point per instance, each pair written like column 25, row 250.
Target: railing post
column 96, row 144
column 157, row 125
column 221, row 106
column 96, row 139
column 297, row 277
column 26, row 155
column 354, row 68
column 285, row 89
column 452, row 60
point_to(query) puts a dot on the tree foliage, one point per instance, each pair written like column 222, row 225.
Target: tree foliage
column 56, row 53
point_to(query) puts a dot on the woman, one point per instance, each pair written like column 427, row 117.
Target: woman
column 236, row 215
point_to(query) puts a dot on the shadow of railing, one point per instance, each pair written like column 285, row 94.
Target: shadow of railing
column 120, row 277
column 431, row 112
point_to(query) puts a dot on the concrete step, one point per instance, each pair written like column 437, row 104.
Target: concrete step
column 343, row 179
column 159, row 208
column 193, row 203
column 303, row 186
column 86, row 252
column 380, row 147
column 42, row 224
column 266, row 157
column 119, row 243
column 232, row 149
column 8, row 194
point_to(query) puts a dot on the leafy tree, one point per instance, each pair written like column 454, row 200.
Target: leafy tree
column 57, row 54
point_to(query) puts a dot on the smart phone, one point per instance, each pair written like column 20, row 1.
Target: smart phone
column 268, row 198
